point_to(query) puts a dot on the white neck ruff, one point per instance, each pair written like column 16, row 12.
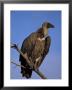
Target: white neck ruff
column 42, row 39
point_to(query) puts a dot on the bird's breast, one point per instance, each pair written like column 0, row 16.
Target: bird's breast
column 38, row 49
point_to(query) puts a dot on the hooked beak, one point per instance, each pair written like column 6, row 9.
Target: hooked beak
column 50, row 25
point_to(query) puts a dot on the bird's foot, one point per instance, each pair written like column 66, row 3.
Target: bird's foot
column 35, row 67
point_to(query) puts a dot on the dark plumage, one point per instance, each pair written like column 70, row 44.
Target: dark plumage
column 36, row 46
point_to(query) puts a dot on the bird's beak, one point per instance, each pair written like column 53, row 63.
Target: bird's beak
column 50, row 25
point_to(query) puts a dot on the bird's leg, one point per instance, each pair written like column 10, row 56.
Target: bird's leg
column 30, row 63
column 37, row 61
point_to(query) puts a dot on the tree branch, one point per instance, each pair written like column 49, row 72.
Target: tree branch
column 17, row 64
column 31, row 64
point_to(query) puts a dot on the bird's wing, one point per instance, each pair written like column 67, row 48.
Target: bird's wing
column 46, row 48
column 28, row 44
column 27, row 47
column 47, row 45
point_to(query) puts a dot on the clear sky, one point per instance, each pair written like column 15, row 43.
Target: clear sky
column 23, row 23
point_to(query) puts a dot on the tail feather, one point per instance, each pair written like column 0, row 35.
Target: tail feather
column 26, row 71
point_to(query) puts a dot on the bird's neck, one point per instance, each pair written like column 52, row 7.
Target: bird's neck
column 45, row 30
column 42, row 33
column 42, row 38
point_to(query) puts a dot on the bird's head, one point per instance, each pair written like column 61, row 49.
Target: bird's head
column 46, row 26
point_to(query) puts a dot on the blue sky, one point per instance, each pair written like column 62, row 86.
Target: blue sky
column 23, row 23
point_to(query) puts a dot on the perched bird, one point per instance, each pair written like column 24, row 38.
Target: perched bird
column 35, row 47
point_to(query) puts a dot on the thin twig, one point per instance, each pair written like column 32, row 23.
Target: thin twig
column 17, row 64
column 27, row 60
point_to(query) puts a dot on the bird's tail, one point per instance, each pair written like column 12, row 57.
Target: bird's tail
column 27, row 72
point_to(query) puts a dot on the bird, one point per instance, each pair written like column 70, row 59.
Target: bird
column 35, row 47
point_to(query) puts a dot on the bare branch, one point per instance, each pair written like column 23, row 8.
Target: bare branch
column 17, row 64
column 27, row 60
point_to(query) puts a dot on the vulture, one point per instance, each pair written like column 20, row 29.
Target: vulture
column 35, row 47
